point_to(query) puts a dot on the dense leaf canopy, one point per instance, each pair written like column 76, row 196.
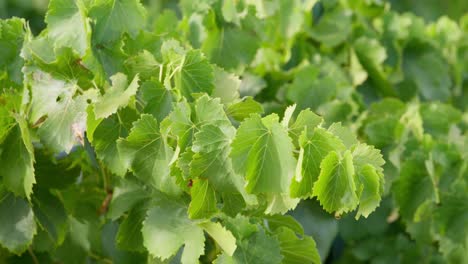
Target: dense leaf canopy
column 233, row 131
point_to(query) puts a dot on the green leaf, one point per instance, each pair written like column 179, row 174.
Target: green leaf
column 333, row 28
column 56, row 172
column 226, row 85
column 180, row 125
column 438, row 118
column 369, row 178
column 413, row 187
column 313, row 149
column 297, row 250
column 223, row 237
column 6, row 119
column 344, row 133
column 203, row 204
column 280, row 203
column 18, row 229
column 106, row 60
column 68, row 25
column 116, row 17
column 66, row 113
column 262, row 151
column 76, row 247
column 125, row 197
column 129, row 236
column 17, row 159
column 211, row 161
column 364, row 154
column 229, row 11
column 51, row 216
column 335, row 187
column 143, row 64
column 258, row 248
column 195, row 74
column 311, row 88
column 451, row 219
column 369, row 185
column 371, row 55
column 105, row 139
column 276, row 222
column 11, row 39
column 230, row 47
column 243, row 109
column 65, row 128
column 156, row 99
column 117, row 96
column 429, row 71
column 167, row 228
column 305, row 120
column 146, row 152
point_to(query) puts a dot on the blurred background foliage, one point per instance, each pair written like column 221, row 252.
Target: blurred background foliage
column 377, row 225
column 430, row 10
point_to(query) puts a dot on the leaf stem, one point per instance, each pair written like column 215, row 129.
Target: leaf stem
column 33, row 256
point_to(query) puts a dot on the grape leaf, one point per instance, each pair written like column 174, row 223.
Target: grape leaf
column 306, row 119
column 314, row 148
column 167, row 228
column 369, row 185
column 226, row 85
column 223, row 237
column 413, row 187
column 51, row 216
column 258, row 248
column 117, row 96
column 116, row 17
column 335, row 187
column 125, row 197
column 297, row 250
column 203, row 204
column 333, row 28
column 156, row 99
column 243, row 109
column 211, row 161
column 262, row 151
column 18, row 229
column 11, row 39
column 68, row 25
column 146, row 152
column 105, row 139
column 195, row 75
column 17, row 159
column 66, row 113
column 129, row 236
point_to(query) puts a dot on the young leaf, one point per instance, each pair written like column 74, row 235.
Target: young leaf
column 195, row 75
column 314, row 148
column 203, row 204
column 105, row 139
column 262, row 151
column 335, row 187
column 223, row 237
column 146, row 152
column 118, row 96
column 297, row 250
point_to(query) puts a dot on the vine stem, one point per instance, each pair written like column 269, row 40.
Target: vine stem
column 33, row 256
column 104, row 177
column 105, row 260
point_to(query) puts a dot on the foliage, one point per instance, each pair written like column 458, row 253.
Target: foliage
column 189, row 132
